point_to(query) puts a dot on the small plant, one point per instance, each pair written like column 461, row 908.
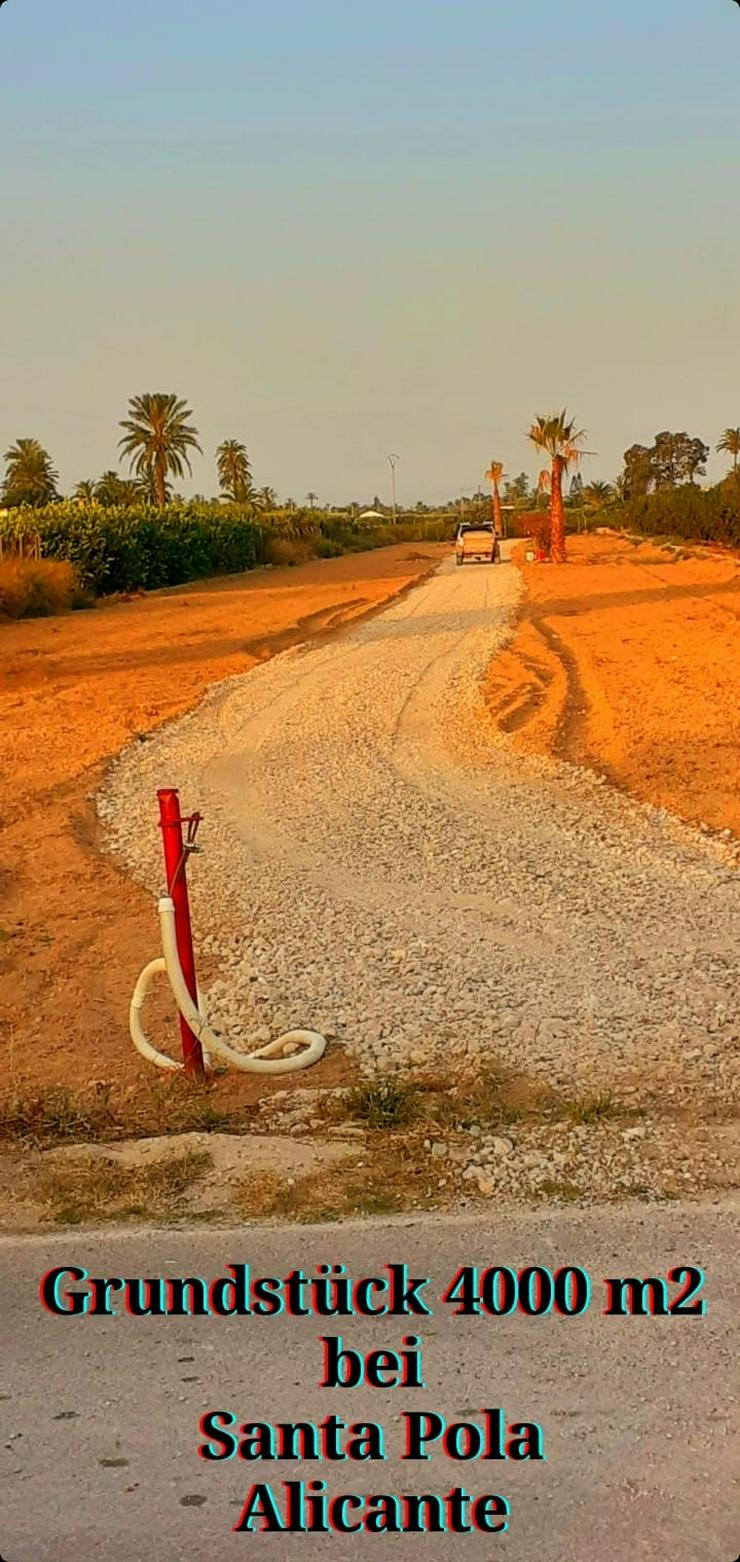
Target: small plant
column 385, row 1103
column 592, row 1109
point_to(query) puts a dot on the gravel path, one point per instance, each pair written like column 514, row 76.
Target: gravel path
column 378, row 863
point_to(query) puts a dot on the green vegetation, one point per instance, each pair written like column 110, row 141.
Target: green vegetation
column 124, row 534
column 234, row 471
column 384, row 1103
column 158, row 440
column 30, row 478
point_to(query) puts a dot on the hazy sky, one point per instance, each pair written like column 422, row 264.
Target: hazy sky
column 344, row 229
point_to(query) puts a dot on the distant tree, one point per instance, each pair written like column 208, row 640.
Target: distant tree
column 517, row 491
column 638, row 473
column 494, row 476
column 575, row 492
column 671, row 460
column 30, row 477
column 558, row 436
column 677, row 458
column 730, row 444
column 313, row 499
column 266, row 498
column 234, row 470
column 85, row 490
column 158, row 439
column 597, row 495
column 111, row 489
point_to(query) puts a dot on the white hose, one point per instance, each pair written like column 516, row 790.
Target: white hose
column 267, row 1060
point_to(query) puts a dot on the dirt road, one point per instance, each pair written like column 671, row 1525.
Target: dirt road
column 381, row 864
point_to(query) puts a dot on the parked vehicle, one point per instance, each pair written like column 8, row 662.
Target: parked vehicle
column 478, row 542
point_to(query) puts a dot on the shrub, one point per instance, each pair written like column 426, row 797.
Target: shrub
column 690, row 513
column 35, row 588
column 286, row 550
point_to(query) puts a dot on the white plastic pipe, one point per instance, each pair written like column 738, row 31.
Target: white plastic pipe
column 267, row 1060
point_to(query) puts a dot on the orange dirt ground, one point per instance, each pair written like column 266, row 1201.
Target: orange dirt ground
column 73, row 691
column 626, row 660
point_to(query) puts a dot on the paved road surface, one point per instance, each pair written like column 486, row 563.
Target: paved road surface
column 100, row 1416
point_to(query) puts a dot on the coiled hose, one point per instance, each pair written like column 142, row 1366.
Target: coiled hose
column 271, row 1059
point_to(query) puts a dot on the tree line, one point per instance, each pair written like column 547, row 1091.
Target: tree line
column 159, row 438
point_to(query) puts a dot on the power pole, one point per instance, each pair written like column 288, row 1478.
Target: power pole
column 393, row 462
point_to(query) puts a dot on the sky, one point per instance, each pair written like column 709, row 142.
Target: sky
column 345, row 230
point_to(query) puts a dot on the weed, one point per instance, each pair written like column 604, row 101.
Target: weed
column 55, row 1116
column 87, row 1188
column 592, row 1109
column 59, row 1115
column 385, row 1103
column 564, row 1189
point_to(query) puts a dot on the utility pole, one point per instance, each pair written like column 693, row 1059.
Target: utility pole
column 393, row 462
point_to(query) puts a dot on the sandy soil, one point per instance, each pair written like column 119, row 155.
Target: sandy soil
column 626, row 661
column 73, row 931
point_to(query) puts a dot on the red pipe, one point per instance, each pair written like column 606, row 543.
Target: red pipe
column 175, row 860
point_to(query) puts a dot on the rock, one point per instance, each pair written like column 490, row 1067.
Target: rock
column 500, row 1146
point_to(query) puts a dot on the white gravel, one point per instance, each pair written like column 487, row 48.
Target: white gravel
column 379, row 864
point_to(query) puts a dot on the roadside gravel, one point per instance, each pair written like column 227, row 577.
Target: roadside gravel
column 379, row 864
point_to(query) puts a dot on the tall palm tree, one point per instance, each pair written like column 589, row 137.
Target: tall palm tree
column 730, row 442
column 234, row 470
column 30, row 477
column 158, row 439
column 313, row 499
column 558, row 436
column 493, row 476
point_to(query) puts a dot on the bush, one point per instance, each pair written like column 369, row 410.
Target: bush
column 35, row 588
column 691, row 513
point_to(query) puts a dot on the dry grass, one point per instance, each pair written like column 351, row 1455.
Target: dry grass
column 288, row 550
column 41, row 1119
column 393, row 1177
column 36, row 588
column 86, row 1189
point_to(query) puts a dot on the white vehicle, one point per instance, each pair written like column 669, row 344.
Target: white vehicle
column 477, row 541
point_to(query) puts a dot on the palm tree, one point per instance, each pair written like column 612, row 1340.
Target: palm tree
column 597, row 495
column 313, row 499
column 85, row 490
column 493, row 476
column 30, row 477
column 112, row 489
column 158, row 439
column 266, row 498
column 562, row 441
column 730, row 442
column 234, row 470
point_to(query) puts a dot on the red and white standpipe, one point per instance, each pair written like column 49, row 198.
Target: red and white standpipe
column 202, row 1047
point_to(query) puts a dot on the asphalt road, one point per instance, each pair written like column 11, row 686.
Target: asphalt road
column 100, row 1416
